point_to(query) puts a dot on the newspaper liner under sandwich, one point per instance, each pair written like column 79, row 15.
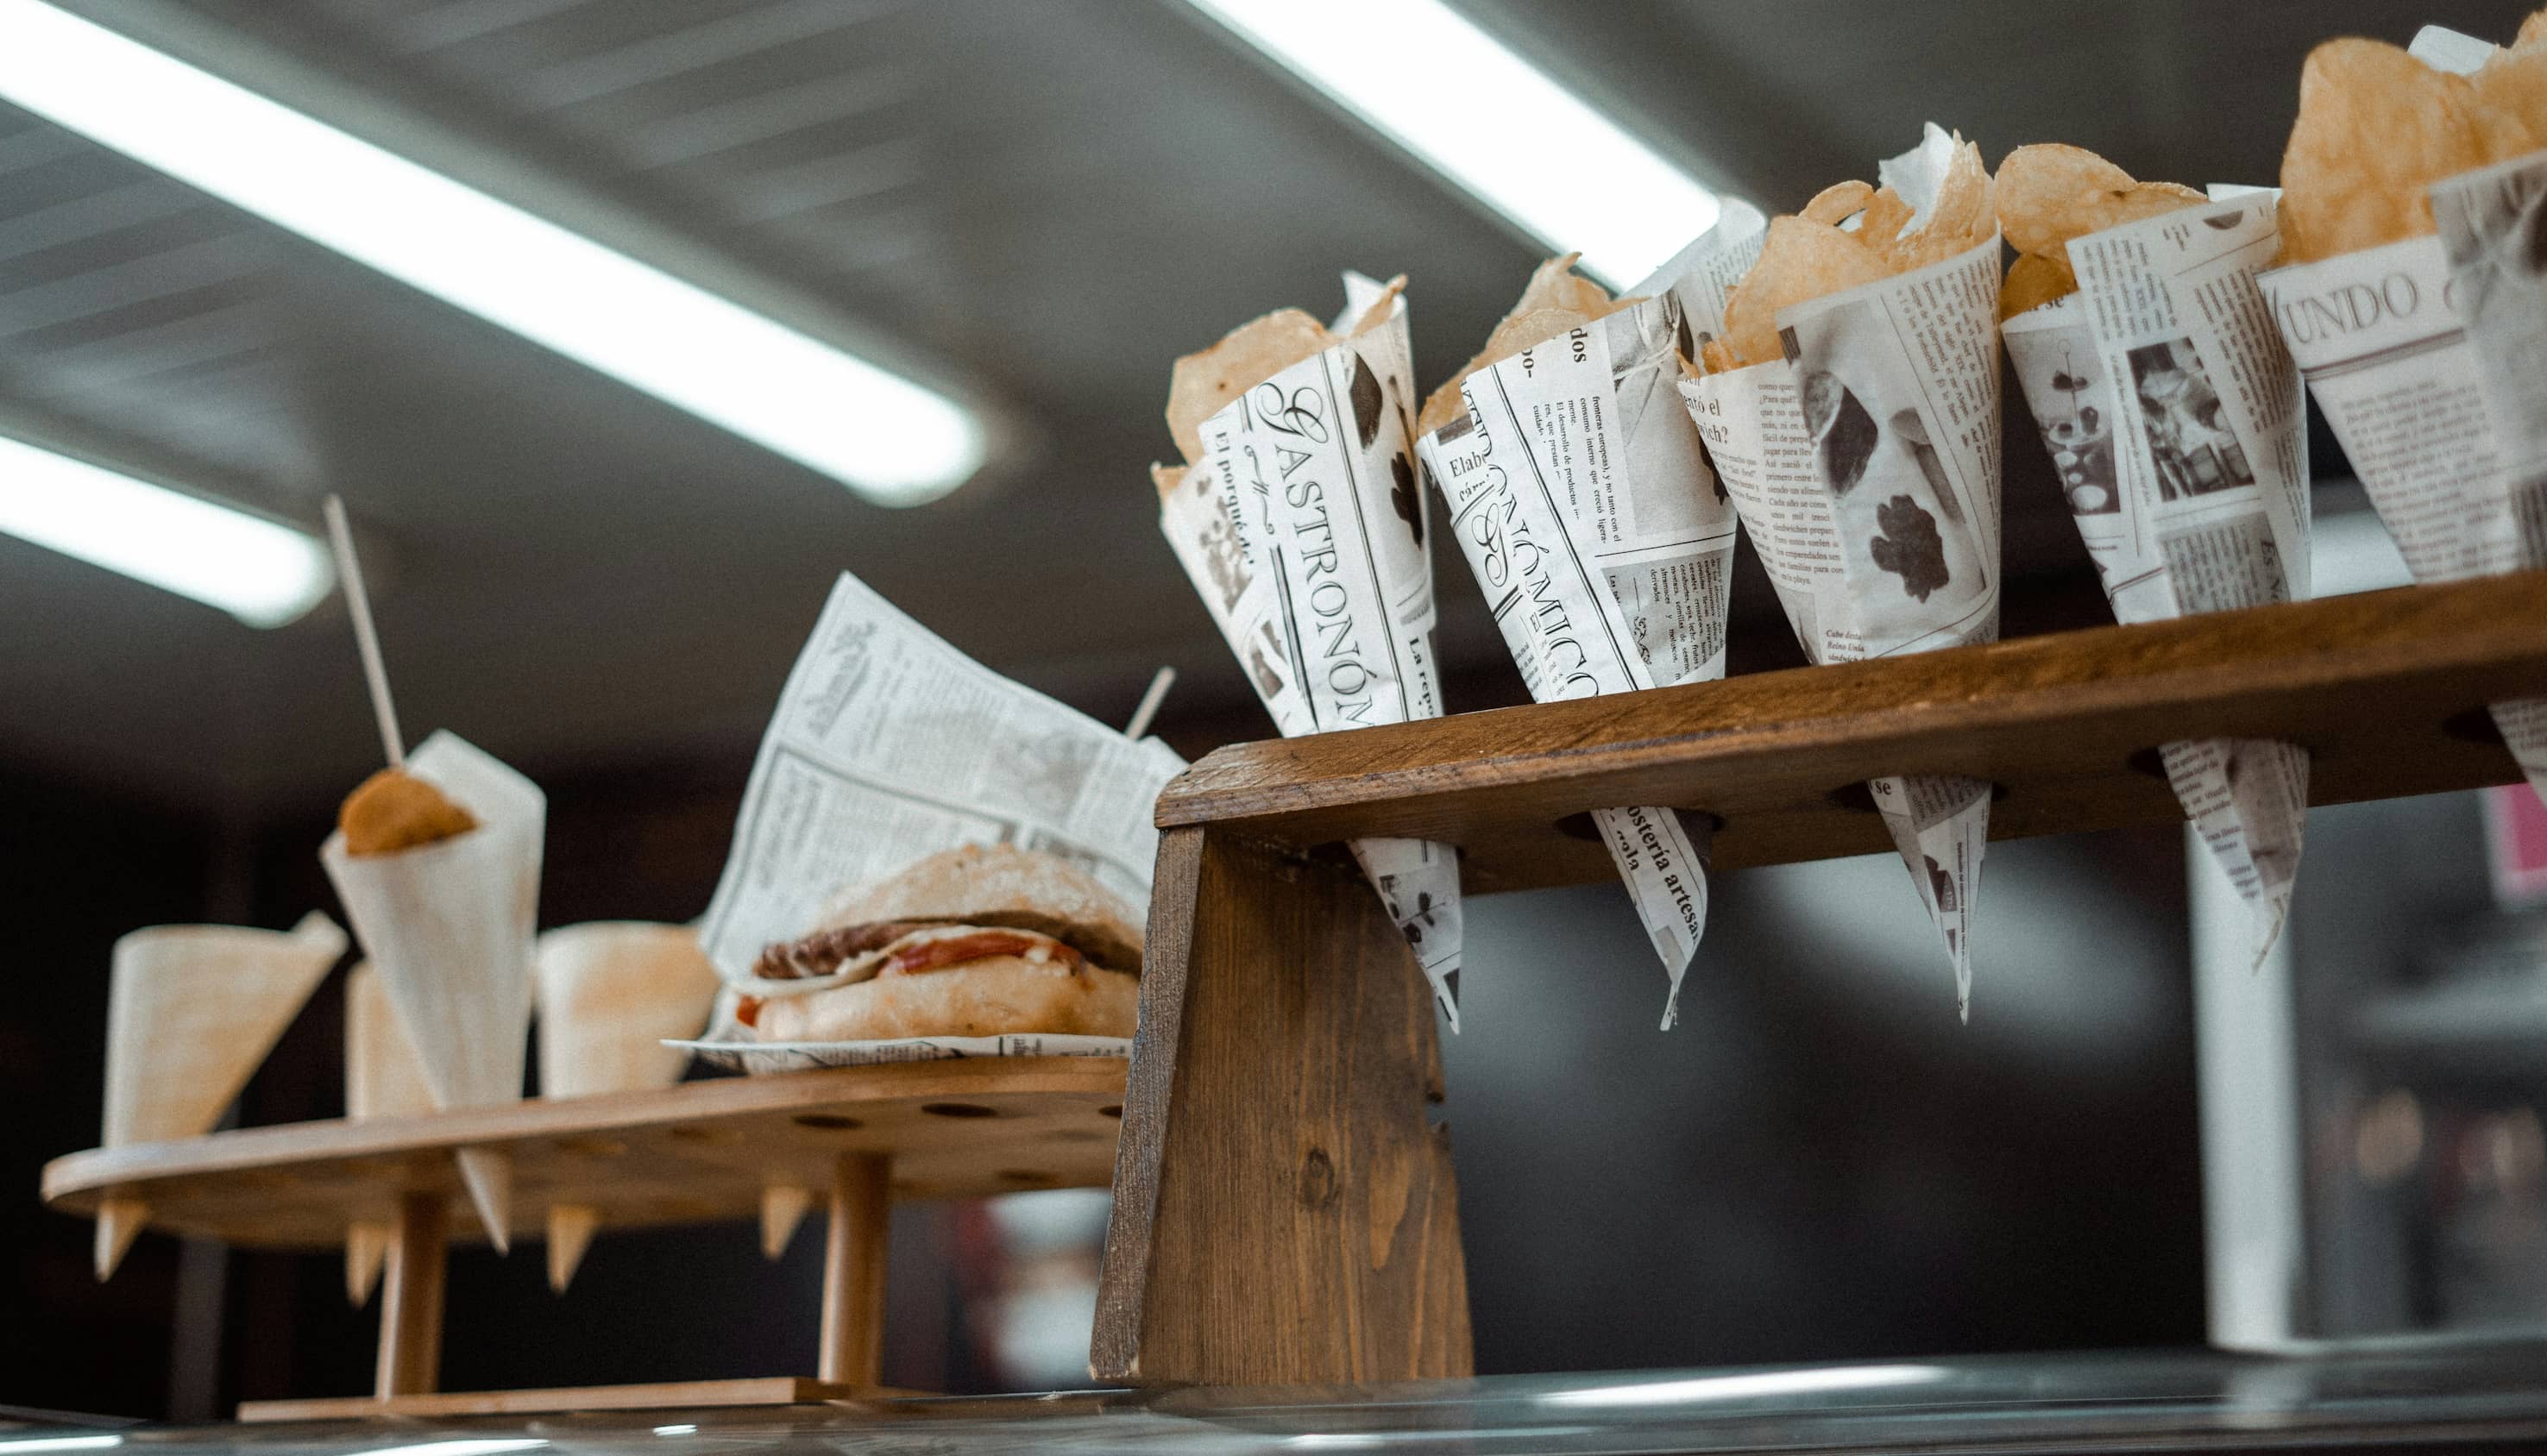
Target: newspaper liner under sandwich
column 888, row 746
column 448, row 926
column 2190, row 483
column 1580, row 495
column 1865, row 464
column 1298, row 520
column 2424, row 356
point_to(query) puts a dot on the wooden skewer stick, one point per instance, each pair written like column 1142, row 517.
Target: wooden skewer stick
column 358, row 602
column 1160, row 681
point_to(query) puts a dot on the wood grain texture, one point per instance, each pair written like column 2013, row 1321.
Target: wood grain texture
column 409, row 1362
column 680, row 1395
column 854, row 1250
column 2385, row 689
column 1285, row 1212
column 697, row 1152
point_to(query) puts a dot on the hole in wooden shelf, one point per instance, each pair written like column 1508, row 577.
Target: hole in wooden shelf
column 1112, row 1109
column 2148, row 763
column 1028, row 1178
column 590, row 1147
column 830, row 1122
column 694, row 1134
column 1579, row 827
column 2475, row 726
column 1851, row 798
column 958, row 1109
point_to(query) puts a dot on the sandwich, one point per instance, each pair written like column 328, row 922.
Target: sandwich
column 982, row 940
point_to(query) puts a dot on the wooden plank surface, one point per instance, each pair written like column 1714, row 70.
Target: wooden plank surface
column 1283, row 1210
column 673, row 1396
column 2385, row 688
column 697, row 1152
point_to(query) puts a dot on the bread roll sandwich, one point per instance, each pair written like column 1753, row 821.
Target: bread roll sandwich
column 985, row 940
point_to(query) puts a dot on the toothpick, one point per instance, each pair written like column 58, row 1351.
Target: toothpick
column 349, row 571
column 1164, row 679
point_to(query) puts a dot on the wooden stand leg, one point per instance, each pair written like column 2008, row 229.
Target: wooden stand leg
column 410, row 1362
column 854, row 1265
column 1283, row 1211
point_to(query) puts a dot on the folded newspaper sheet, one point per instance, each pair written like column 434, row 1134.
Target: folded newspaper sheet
column 887, row 745
column 1865, row 467
column 767, row 1057
column 1581, row 496
column 2425, row 357
column 1299, row 522
column 2190, row 485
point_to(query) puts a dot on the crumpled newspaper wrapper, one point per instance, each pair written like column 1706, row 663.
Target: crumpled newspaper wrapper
column 1865, row 468
column 1581, row 496
column 383, row 1078
column 887, row 745
column 2174, row 418
column 2428, row 358
column 1300, row 522
column 191, row 1013
column 448, row 927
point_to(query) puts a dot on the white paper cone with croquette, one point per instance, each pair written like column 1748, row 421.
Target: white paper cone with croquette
column 2174, row 419
column 439, row 870
column 2414, row 189
column 1852, row 408
column 979, row 941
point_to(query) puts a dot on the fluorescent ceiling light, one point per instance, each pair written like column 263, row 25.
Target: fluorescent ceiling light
column 263, row 573
column 892, row 440
column 58, row 1444
column 1488, row 120
column 1766, row 1383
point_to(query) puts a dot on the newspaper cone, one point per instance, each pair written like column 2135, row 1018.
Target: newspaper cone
column 782, row 1208
column 383, row 1078
column 2190, row 486
column 609, row 994
column 1302, row 529
column 448, row 926
column 192, row 1010
column 1877, row 513
column 1580, row 493
column 2422, row 355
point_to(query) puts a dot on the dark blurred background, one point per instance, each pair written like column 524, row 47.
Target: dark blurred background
column 1050, row 199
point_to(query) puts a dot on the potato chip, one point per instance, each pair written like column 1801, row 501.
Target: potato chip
column 1837, row 203
column 1557, row 300
column 1960, row 218
column 2534, row 35
column 1800, row 261
column 2035, row 280
column 2511, row 101
column 1885, row 217
column 1717, row 356
column 2375, row 127
column 1203, row 383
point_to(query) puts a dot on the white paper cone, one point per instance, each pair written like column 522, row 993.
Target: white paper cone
column 2175, row 420
column 384, row 1077
column 782, row 1208
column 488, row 1174
column 448, row 926
column 191, row 1013
column 570, row 1230
column 367, row 1253
column 119, row 1221
column 609, row 994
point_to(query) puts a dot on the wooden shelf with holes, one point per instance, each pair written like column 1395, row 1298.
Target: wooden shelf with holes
column 1283, row 1203
column 848, row 1138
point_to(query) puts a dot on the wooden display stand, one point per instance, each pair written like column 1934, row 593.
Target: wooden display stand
column 1285, row 1208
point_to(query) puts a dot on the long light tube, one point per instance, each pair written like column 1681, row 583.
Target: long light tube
column 889, row 438
column 263, row 573
column 1497, row 127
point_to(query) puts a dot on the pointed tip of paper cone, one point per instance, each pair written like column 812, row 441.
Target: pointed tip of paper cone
column 782, row 1208
column 367, row 1253
column 570, row 1227
column 119, row 1221
column 489, row 1174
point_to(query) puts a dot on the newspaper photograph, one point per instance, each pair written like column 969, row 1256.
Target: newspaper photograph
column 2173, row 417
column 1865, row 467
column 2393, row 365
column 1301, row 526
column 1580, row 495
column 889, row 744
